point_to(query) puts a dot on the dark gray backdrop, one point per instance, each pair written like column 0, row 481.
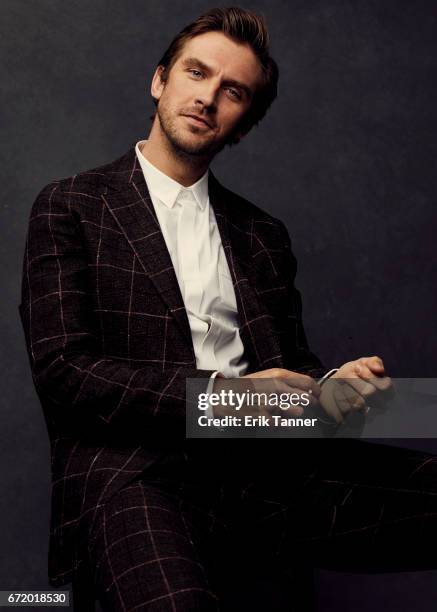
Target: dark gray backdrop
column 346, row 157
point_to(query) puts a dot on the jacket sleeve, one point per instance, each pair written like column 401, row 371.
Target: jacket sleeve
column 80, row 388
column 298, row 358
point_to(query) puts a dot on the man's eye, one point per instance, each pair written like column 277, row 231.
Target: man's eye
column 234, row 93
column 195, row 73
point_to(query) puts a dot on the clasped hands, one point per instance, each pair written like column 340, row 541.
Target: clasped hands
column 356, row 383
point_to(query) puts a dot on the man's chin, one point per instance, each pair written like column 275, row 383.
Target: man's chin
column 196, row 147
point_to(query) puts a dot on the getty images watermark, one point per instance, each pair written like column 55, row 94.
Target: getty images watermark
column 261, row 401
column 246, row 408
column 243, row 407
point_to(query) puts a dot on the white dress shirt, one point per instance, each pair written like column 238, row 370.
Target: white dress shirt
column 193, row 240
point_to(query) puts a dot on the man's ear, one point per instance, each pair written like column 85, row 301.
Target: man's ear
column 158, row 84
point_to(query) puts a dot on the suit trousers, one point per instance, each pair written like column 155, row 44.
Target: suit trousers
column 170, row 539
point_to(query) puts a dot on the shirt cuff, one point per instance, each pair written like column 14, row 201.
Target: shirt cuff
column 327, row 375
column 209, row 411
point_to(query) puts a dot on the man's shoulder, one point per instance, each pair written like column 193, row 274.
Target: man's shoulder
column 92, row 182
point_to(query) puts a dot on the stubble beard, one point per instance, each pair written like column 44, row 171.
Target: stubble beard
column 186, row 148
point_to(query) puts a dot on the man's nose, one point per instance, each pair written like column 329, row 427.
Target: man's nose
column 207, row 95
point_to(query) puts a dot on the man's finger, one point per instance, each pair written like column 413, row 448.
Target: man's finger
column 348, row 398
column 375, row 364
column 382, row 383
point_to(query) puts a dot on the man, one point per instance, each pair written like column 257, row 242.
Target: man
column 145, row 272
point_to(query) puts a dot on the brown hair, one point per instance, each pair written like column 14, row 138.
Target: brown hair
column 243, row 26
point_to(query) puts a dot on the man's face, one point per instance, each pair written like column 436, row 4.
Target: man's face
column 208, row 91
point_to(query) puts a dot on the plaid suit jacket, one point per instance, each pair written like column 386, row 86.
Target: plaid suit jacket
column 108, row 336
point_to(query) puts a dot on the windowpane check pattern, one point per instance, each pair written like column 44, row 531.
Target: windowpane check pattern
column 108, row 336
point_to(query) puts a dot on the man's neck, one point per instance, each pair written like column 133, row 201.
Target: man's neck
column 184, row 170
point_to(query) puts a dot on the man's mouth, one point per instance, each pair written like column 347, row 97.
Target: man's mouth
column 198, row 120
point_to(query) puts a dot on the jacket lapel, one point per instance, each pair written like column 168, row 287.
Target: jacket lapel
column 256, row 330
column 129, row 202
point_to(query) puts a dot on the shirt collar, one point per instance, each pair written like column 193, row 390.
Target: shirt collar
column 167, row 189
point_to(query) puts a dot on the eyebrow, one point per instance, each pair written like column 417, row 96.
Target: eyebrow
column 194, row 62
